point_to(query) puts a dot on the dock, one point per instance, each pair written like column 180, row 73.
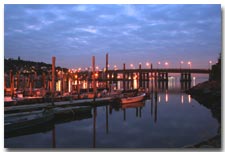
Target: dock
column 39, row 106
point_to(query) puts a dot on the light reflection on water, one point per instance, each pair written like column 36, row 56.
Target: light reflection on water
column 170, row 118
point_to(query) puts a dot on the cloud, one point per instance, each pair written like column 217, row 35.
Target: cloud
column 81, row 8
column 84, row 29
column 130, row 10
column 89, row 29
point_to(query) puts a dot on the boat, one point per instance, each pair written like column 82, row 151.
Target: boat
column 133, row 99
column 133, row 105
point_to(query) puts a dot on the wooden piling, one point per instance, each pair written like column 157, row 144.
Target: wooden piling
column 12, row 83
column 140, row 76
column 124, row 69
column 106, row 69
column 30, row 85
column 43, row 80
column 53, row 76
column 5, row 82
column 18, row 81
column 93, row 76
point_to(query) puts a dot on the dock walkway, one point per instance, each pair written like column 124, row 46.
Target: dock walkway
column 39, row 106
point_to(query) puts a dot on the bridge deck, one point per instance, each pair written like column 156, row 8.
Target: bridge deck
column 172, row 70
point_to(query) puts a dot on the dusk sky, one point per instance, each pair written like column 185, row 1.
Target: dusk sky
column 129, row 33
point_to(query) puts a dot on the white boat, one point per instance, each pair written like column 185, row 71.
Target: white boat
column 133, row 99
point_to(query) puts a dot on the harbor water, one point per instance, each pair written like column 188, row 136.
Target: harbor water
column 169, row 118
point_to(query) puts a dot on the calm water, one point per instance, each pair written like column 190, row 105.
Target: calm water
column 169, row 118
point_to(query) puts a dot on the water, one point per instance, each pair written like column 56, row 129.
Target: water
column 169, row 119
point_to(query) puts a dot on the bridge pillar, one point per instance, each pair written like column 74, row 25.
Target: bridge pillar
column 115, row 80
column 185, row 80
column 167, row 77
column 132, row 80
column 155, row 79
column 189, row 76
column 185, row 76
column 159, row 76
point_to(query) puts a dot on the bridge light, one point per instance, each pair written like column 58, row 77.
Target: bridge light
column 189, row 63
column 158, row 64
column 115, row 67
column 131, row 65
column 97, row 68
column 181, row 62
column 166, row 64
column 147, row 64
column 210, row 63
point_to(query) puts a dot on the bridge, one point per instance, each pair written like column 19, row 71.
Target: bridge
column 168, row 70
column 141, row 76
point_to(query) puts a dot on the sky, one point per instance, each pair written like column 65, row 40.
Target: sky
column 129, row 33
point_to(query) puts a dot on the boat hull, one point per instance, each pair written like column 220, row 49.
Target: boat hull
column 133, row 99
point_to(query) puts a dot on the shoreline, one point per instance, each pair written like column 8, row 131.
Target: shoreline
column 208, row 94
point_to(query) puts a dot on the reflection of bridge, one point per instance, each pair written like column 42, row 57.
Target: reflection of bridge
column 139, row 76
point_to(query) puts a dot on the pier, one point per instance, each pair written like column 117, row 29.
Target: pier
column 56, row 82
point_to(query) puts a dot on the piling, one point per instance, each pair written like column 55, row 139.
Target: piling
column 93, row 76
column 124, row 69
column 53, row 76
column 18, row 81
column 140, row 76
column 12, row 83
column 106, row 69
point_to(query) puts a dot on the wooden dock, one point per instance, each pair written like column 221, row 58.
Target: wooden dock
column 39, row 106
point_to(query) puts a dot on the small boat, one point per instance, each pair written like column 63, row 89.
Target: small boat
column 133, row 99
column 133, row 105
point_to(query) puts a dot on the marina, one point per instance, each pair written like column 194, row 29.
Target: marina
column 112, row 76
column 102, row 117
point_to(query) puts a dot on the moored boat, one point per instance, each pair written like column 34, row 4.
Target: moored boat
column 133, row 105
column 133, row 99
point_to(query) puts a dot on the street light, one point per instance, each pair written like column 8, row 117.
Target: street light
column 189, row 63
column 181, row 62
column 210, row 62
column 147, row 64
column 115, row 67
column 97, row 68
column 131, row 65
column 166, row 64
column 158, row 64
